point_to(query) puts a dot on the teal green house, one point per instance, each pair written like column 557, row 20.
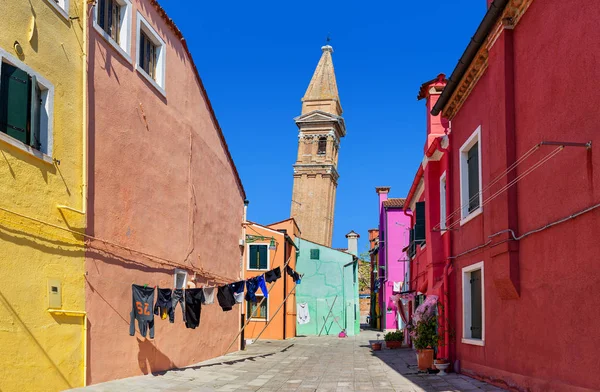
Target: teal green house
column 328, row 291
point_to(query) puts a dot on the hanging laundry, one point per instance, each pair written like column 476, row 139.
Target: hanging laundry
column 397, row 287
column 141, row 309
column 209, row 295
column 225, row 297
column 178, row 298
column 193, row 307
column 295, row 276
column 252, row 286
column 273, row 275
column 238, row 290
column 164, row 304
column 303, row 315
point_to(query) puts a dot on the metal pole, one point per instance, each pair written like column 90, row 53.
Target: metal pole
column 328, row 314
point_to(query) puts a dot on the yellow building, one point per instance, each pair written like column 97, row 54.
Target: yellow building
column 42, row 194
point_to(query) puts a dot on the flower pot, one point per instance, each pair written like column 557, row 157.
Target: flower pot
column 376, row 346
column 392, row 344
column 425, row 358
column 442, row 366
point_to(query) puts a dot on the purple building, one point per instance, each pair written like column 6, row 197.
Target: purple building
column 392, row 274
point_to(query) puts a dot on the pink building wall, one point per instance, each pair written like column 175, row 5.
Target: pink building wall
column 161, row 182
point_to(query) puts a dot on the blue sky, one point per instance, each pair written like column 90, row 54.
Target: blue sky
column 256, row 60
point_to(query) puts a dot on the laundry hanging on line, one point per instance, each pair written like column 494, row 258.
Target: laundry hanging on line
column 303, row 315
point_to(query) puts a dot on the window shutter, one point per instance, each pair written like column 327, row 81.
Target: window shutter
column 419, row 235
column 253, row 257
column 36, row 101
column 142, row 50
column 262, row 257
column 476, row 302
column 411, row 244
column 15, row 94
column 473, row 177
column 100, row 17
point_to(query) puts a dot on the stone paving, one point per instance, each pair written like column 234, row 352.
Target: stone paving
column 302, row 364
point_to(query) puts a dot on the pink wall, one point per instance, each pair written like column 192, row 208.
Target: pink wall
column 161, row 181
column 545, row 337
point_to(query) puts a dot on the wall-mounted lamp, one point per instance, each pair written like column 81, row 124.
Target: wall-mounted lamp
column 254, row 238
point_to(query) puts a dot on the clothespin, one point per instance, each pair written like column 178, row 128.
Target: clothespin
column 146, row 285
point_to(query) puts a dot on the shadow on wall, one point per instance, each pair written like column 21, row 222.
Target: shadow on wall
column 151, row 359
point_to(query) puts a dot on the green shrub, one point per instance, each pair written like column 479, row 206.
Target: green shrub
column 396, row 336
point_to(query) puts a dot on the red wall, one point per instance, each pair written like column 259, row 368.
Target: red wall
column 546, row 338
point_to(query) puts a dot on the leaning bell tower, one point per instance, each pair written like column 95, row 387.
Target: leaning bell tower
column 321, row 128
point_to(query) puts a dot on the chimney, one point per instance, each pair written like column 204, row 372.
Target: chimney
column 353, row 242
column 373, row 234
column 382, row 191
column 431, row 91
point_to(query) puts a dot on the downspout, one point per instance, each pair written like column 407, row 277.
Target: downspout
column 285, row 257
column 447, row 248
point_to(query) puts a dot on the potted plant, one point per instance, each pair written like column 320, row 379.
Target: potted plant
column 441, row 364
column 376, row 345
column 393, row 339
column 425, row 339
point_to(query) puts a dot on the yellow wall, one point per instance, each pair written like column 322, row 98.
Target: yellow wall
column 41, row 351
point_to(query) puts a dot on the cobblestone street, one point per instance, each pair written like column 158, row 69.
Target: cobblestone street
column 302, row 364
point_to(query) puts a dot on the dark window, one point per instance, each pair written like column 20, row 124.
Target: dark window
column 412, row 249
column 473, row 177
column 148, row 55
column 314, row 254
column 258, row 257
column 109, row 18
column 257, row 312
column 322, row 150
column 20, row 100
column 476, row 304
column 419, row 235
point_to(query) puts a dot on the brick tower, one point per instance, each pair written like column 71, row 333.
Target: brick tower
column 321, row 128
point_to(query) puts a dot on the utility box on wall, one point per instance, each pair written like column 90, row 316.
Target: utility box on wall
column 54, row 294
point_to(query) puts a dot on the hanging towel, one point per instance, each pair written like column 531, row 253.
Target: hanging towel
column 303, row 315
column 225, row 297
column 209, row 295
column 273, row 275
column 193, row 307
column 141, row 310
column 238, row 290
column 397, row 287
column 252, row 286
column 164, row 304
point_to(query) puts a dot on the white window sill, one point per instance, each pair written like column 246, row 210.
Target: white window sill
column 472, row 215
column 253, row 269
column 24, row 147
column 59, row 9
column 259, row 320
column 152, row 81
column 475, row 342
column 112, row 42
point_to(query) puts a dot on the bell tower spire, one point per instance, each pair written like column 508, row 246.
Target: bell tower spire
column 321, row 128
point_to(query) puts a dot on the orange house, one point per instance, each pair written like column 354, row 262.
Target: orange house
column 266, row 248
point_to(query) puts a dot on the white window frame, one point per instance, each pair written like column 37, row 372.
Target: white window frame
column 466, row 300
column 46, row 112
column 161, row 63
column 265, row 320
column 124, row 47
column 464, row 179
column 248, row 257
column 443, row 204
column 180, row 272
column 62, row 6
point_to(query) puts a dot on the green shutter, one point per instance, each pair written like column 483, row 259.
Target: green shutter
column 36, row 102
column 15, row 94
column 314, row 254
column 419, row 235
column 263, row 256
column 100, row 16
column 473, row 177
column 253, row 257
column 476, row 304
column 411, row 244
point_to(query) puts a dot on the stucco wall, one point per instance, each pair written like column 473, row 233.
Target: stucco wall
column 40, row 351
column 323, row 281
column 161, row 183
column 553, row 317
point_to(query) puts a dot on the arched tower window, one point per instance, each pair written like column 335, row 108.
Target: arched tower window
column 322, row 146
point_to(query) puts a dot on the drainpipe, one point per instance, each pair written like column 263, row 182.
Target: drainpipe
column 447, row 247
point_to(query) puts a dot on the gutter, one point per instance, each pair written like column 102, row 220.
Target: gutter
column 486, row 25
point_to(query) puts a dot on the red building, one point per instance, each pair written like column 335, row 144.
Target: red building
column 510, row 186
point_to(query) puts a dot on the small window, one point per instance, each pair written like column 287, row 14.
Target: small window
column 256, row 312
column 258, row 256
column 112, row 19
column 322, row 150
column 473, row 304
column 180, row 279
column 314, row 254
column 62, row 6
column 151, row 50
column 470, row 177
column 25, row 106
column 443, row 202
column 419, row 235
